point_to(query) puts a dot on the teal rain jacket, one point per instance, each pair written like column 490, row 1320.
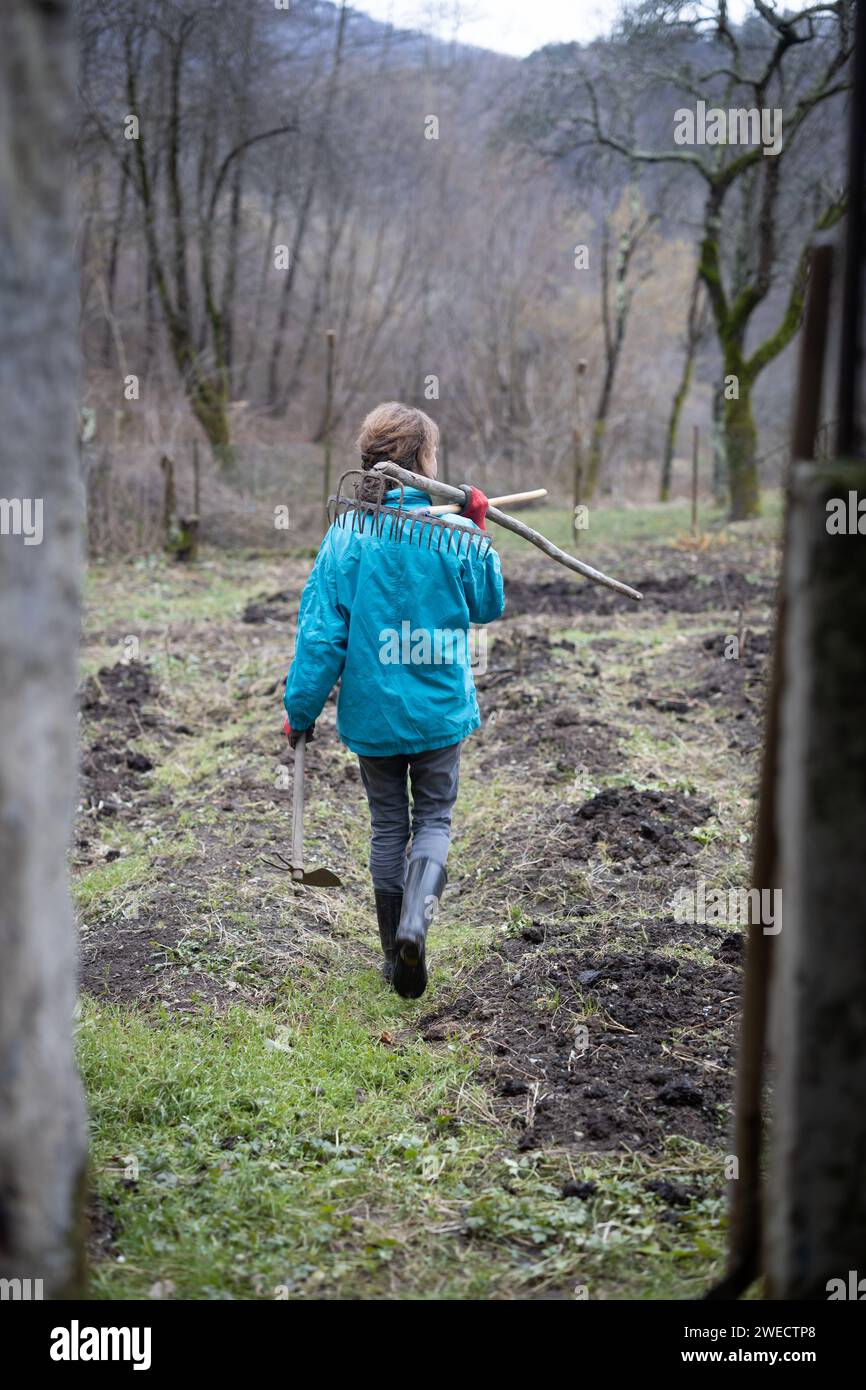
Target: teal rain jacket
column 389, row 618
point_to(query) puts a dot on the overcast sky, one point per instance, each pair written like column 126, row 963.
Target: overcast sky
column 514, row 26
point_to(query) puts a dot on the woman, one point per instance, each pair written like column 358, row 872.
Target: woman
column 402, row 707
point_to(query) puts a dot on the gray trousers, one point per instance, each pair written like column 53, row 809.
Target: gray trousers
column 434, row 777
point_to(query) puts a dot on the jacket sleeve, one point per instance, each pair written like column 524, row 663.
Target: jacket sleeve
column 320, row 644
column 482, row 585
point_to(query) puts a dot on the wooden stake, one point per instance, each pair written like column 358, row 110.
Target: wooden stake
column 696, row 444
column 577, row 442
column 329, row 405
column 196, row 479
column 194, row 521
column 168, row 499
column 746, row 1215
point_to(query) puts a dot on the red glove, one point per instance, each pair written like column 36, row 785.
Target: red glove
column 475, row 506
column 294, row 734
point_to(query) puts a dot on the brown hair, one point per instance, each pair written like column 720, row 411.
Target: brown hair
column 399, row 433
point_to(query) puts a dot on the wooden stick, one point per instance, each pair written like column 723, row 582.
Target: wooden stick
column 512, row 499
column 298, row 810
column 696, row 444
column 434, row 488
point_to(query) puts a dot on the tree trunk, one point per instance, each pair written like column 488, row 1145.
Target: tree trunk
column 208, row 405
column 720, row 457
column 695, row 329
column 741, row 448
column 816, row 1227
column 42, row 1128
column 673, row 424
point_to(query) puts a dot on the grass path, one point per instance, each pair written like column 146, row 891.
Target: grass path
column 267, row 1120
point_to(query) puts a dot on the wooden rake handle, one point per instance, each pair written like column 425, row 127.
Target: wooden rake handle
column 447, row 493
column 513, row 499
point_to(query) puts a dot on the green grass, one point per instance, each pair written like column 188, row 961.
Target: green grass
column 292, row 1153
column 158, row 593
column 623, row 526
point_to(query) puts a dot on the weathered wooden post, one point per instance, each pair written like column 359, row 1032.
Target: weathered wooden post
column 764, row 1224
column 193, row 522
column 816, row 1227
column 169, row 504
column 696, row 444
column 43, row 1138
column 577, row 444
column 815, row 1230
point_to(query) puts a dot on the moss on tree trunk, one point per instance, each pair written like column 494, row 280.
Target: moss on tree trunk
column 741, row 447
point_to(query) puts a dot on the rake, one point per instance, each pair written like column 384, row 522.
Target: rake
column 415, row 523
column 425, row 525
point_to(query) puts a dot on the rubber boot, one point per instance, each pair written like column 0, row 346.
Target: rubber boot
column 424, row 884
column 388, row 907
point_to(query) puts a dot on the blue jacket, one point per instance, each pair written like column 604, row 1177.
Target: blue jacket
column 389, row 618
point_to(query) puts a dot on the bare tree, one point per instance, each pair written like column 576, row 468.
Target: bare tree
column 621, row 240
column 42, row 1131
column 157, row 52
column 696, row 328
column 760, row 76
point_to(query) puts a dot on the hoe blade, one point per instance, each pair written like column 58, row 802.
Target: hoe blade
column 317, row 878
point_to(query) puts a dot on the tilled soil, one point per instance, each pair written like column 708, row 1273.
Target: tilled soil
column 604, row 1048
column 689, row 591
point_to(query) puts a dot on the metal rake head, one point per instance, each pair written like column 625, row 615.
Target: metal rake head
column 395, row 521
